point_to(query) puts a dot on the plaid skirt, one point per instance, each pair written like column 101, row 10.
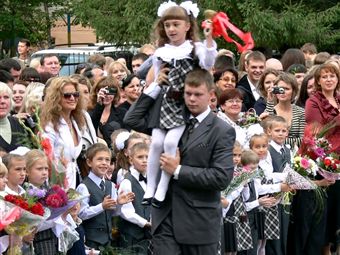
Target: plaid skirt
column 45, row 243
column 243, row 232
column 171, row 113
column 271, row 219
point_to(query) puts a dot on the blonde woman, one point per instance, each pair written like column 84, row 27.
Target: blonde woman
column 63, row 120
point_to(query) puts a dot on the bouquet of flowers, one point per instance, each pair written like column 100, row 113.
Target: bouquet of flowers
column 248, row 118
column 305, row 166
column 329, row 167
column 59, row 201
column 314, row 143
column 297, row 181
column 22, row 215
column 241, row 176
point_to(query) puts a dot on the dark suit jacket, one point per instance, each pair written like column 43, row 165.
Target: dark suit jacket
column 248, row 97
column 206, row 169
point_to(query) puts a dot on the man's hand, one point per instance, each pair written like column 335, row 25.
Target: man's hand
column 162, row 78
column 124, row 198
column 170, row 163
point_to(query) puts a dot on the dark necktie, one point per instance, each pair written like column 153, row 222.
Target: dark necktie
column 189, row 129
column 102, row 185
column 282, row 150
column 142, row 178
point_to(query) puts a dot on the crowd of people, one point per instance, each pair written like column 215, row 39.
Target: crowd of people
column 150, row 149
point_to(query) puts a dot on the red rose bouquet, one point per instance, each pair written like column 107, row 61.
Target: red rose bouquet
column 329, row 167
column 21, row 215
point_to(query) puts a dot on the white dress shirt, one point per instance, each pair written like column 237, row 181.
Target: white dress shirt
column 253, row 90
column 267, row 167
column 87, row 211
column 199, row 118
column 127, row 210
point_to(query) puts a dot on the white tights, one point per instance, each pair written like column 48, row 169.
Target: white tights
column 161, row 141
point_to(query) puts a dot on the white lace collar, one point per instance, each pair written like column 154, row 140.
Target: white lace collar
column 169, row 52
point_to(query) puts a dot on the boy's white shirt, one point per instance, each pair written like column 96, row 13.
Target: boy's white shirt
column 127, row 211
column 9, row 191
column 87, row 211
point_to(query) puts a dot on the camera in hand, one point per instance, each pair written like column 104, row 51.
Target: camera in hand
column 111, row 91
column 278, row 90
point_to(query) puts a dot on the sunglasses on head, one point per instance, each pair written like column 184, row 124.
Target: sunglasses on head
column 69, row 95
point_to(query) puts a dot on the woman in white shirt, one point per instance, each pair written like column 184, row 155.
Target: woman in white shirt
column 62, row 119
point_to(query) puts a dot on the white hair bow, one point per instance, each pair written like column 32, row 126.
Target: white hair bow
column 120, row 140
column 189, row 6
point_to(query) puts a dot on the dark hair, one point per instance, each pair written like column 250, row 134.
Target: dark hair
column 220, row 73
column 222, row 62
column 303, row 94
column 27, row 42
column 5, row 76
column 198, row 77
column 292, row 56
column 297, row 68
column 141, row 56
column 8, row 63
column 128, row 80
column 94, row 149
column 326, row 67
column 80, row 67
column 45, row 76
column 49, row 55
column 260, row 85
column 229, row 94
column 30, row 74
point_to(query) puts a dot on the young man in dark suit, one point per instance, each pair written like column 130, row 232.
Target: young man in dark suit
column 189, row 220
column 255, row 65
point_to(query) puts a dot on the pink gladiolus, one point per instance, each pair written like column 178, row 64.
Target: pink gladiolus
column 304, row 163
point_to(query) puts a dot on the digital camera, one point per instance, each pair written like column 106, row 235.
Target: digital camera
column 111, row 91
column 278, row 90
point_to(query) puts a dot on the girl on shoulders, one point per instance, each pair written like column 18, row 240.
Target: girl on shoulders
column 179, row 52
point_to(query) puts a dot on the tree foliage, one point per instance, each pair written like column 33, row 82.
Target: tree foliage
column 31, row 19
column 274, row 23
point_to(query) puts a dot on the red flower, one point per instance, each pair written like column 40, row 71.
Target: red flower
column 327, row 162
column 54, row 200
column 37, row 209
column 47, row 147
column 10, row 198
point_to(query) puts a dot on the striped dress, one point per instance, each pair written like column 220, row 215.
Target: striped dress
column 297, row 127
